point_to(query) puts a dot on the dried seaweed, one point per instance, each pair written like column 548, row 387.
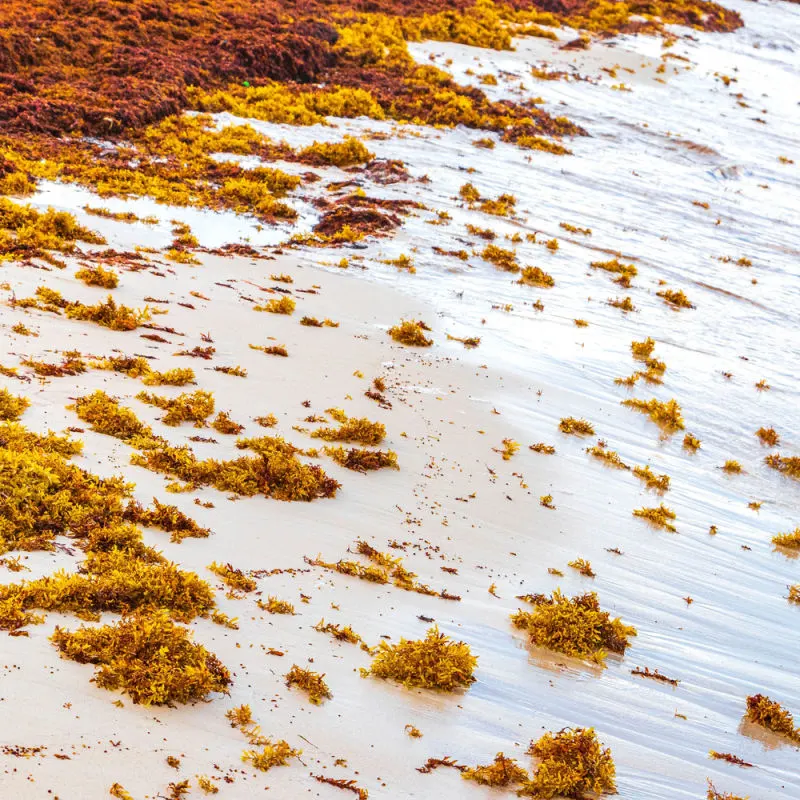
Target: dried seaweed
column 411, row 333
column 660, row 516
column 502, row 771
column 666, row 414
column 773, row 716
column 310, row 682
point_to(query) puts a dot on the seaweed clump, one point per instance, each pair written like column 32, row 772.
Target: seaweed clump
column 411, row 332
column 660, row 516
column 502, row 771
column 196, row 407
column 576, row 627
column 577, row 427
column 788, row 465
column 352, row 429
column 435, row 662
column 97, row 276
column 667, row 415
column 773, row 716
column 571, row 764
column 789, row 540
column 536, row 276
column 361, row 460
column 12, row 407
column 148, row 657
column 310, row 682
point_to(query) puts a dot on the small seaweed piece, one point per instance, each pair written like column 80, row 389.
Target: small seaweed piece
column 675, row 299
column 502, row 771
column 233, row 577
column 352, row 429
column 361, row 460
column 571, row 763
column 536, row 276
column 660, row 516
column 224, row 424
column 341, row 634
column 768, row 436
column 195, row 407
column 272, row 754
column 651, row 479
column 435, row 662
column 311, row 682
column 411, row 333
column 501, row 257
column 276, row 606
column 577, row 427
column 283, row 305
column 611, row 457
column 731, row 466
column 239, row 372
column 509, row 448
column 348, row 784
column 168, row 518
column 691, row 443
column 97, row 276
column 583, row 566
column 729, row 757
column 654, row 675
column 667, row 415
column 180, row 376
column 541, row 447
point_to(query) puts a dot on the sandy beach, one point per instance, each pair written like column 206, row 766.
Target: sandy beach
column 676, row 178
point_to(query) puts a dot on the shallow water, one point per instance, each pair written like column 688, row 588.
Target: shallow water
column 650, row 153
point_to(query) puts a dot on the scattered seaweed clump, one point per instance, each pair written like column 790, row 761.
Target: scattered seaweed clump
column 275, row 606
column 109, row 315
column 773, row 716
column 342, row 634
column 194, row 407
column 667, row 415
column 572, row 763
column 501, row 257
column 411, row 333
column 435, row 662
column 576, row 627
column 272, row 754
column 361, row 460
column 180, row 376
column 502, row 771
column 541, row 447
column 576, row 427
column 224, row 424
column 610, row 457
column 788, row 465
column 583, row 566
column 660, row 516
column 691, row 443
column 106, row 415
column 788, row 540
column 232, row 577
column 166, row 517
column 310, row 682
column 346, row 153
column 768, row 436
column 12, row 407
column 282, row 305
column 675, row 299
column 97, row 276
column 536, row 276
column 625, row 271
column 642, row 351
column 651, row 480
column 148, row 657
column 353, row 429
column 731, row 466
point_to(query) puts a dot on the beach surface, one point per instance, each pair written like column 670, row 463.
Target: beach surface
column 676, row 177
